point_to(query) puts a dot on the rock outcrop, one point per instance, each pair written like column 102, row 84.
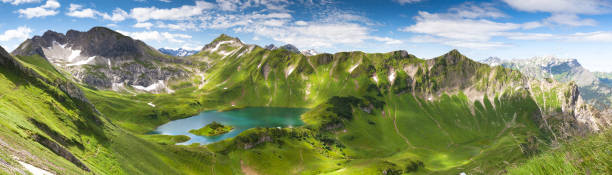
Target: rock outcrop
column 594, row 90
column 106, row 59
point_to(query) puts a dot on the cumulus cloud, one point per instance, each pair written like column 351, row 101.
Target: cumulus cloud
column 17, row 2
column 468, row 26
column 184, row 12
column 20, row 33
column 77, row 11
column 48, row 9
column 402, row 2
column 117, row 15
column 599, row 36
column 155, row 36
column 570, row 20
column 564, row 12
column 146, row 25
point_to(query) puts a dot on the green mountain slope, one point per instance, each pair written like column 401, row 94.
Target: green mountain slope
column 389, row 113
column 53, row 129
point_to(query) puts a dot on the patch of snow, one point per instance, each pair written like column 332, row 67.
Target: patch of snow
column 109, row 63
column 310, row 52
column 392, row 76
column 74, row 54
column 462, row 173
column 290, row 70
column 354, row 67
column 34, row 170
column 221, row 43
column 375, row 78
column 155, row 86
column 151, row 104
column 117, row 86
column 82, row 62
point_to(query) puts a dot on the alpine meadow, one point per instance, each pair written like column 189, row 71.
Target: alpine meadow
column 353, row 87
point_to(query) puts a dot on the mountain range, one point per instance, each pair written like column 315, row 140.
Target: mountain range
column 86, row 103
column 180, row 52
column 595, row 87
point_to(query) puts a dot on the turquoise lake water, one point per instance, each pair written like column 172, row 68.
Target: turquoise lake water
column 241, row 119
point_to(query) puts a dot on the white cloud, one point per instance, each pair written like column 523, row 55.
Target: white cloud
column 182, row 26
column 402, row 2
column 301, row 23
column 561, row 6
column 458, row 28
column 184, row 12
column 156, row 36
column 570, row 20
column 228, row 5
column 599, row 36
column 468, row 26
column 48, row 9
column 118, row 15
column 17, row 2
column 564, row 12
column 146, row 25
column 77, row 11
column 21, row 33
column 387, row 40
column 471, row 10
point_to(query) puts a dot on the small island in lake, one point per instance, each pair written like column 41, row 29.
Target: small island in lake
column 212, row 129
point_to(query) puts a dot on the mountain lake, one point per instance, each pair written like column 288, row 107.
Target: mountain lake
column 240, row 119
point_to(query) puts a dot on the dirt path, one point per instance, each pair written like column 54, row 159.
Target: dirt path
column 397, row 129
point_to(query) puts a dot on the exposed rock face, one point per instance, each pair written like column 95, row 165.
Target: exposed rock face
column 105, row 59
column 291, row 48
column 593, row 89
column 60, row 151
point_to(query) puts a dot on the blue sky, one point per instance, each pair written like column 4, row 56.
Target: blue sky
column 509, row 29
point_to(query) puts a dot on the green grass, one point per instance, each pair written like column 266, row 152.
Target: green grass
column 590, row 155
column 360, row 122
column 212, row 129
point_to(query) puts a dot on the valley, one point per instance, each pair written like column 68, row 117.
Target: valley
column 342, row 113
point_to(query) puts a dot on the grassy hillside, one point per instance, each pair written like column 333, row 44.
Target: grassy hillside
column 390, row 113
column 591, row 155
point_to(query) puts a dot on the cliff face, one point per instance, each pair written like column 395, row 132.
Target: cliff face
column 105, row 59
column 595, row 90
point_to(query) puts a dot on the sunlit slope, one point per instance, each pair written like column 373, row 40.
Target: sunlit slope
column 590, row 155
column 55, row 129
column 370, row 113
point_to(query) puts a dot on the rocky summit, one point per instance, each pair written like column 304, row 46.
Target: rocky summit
column 105, row 59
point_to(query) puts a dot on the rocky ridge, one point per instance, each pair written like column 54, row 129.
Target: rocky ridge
column 106, row 59
column 595, row 90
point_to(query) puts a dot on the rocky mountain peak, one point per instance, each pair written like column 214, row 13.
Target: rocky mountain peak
column 310, row 52
column 177, row 52
column 104, row 58
column 493, row 61
column 223, row 39
column 452, row 57
column 290, row 48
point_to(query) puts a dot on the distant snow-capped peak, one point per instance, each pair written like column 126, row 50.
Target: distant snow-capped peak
column 178, row 52
column 310, row 52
